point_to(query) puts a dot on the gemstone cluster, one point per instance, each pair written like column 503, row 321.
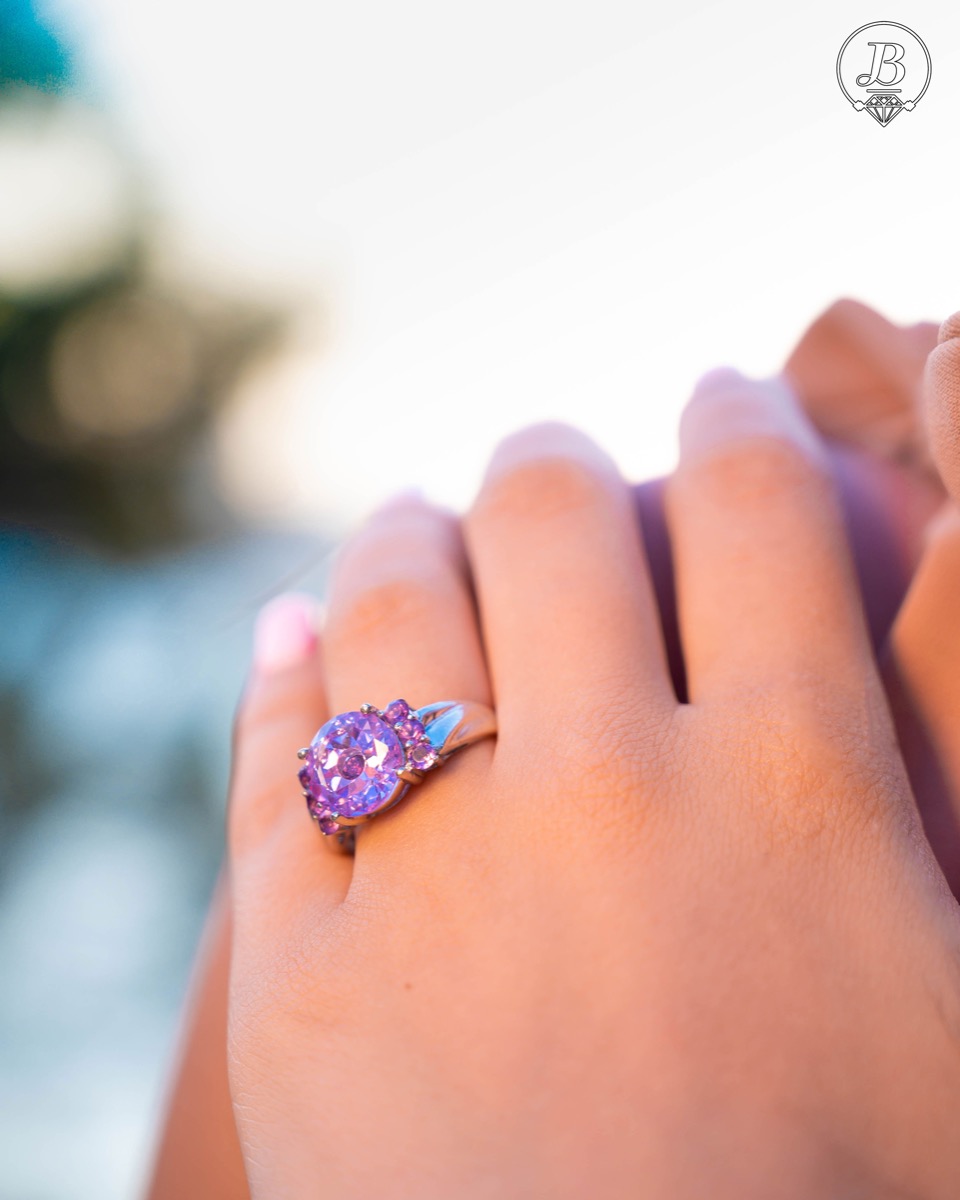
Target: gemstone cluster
column 352, row 768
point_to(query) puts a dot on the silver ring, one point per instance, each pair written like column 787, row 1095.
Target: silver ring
column 361, row 763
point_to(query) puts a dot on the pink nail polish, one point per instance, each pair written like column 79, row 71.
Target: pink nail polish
column 285, row 634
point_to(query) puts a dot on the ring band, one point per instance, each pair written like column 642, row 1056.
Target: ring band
column 361, row 763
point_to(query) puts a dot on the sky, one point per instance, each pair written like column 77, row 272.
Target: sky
column 502, row 213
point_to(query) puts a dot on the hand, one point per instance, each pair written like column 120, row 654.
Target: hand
column 891, row 396
column 637, row 947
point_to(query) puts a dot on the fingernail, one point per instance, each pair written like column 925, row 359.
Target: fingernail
column 285, row 634
column 728, row 407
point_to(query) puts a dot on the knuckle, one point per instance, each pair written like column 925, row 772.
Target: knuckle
column 619, row 756
column 264, row 1013
column 540, row 490
column 758, row 471
column 379, row 607
column 815, row 769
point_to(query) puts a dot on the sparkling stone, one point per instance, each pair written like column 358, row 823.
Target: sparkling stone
column 410, row 730
column 423, row 756
column 306, row 777
column 396, row 710
column 328, row 824
column 356, row 759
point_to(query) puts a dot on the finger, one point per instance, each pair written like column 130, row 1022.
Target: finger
column 922, row 674
column 401, row 624
column 766, row 590
column 569, row 616
column 942, row 403
column 859, row 377
column 198, row 1156
column 284, row 703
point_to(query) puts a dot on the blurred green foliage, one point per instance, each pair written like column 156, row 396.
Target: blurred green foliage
column 108, row 382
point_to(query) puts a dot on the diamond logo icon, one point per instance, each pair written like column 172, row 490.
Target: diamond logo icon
column 884, row 69
column 883, row 108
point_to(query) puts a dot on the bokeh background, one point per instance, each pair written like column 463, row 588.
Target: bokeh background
column 261, row 267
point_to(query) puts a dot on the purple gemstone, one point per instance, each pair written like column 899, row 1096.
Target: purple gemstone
column 396, row 710
column 327, row 824
column 410, row 730
column 423, row 756
column 356, row 759
column 305, row 775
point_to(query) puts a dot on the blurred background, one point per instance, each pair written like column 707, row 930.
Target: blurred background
column 259, row 269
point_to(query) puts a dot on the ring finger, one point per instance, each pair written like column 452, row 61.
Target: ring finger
column 402, row 624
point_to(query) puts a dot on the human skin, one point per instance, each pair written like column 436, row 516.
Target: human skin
column 635, row 946
column 932, row 693
column 198, row 1154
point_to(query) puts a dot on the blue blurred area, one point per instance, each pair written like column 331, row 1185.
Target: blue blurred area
column 127, row 595
column 117, row 685
column 30, row 54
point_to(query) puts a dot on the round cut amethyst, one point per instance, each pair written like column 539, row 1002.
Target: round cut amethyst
column 423, row 756
column 355, row 761
column 396, row 710
column 410, row 730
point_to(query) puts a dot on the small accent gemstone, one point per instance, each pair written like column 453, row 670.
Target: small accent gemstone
column 396, row 710
column 328, row 825
column 306, row 777
column 410, row 730
column 423, row 756
column 355, row 761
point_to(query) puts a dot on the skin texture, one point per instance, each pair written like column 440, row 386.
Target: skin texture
column 896, row 499
column 199, row 1151
column 732, row 904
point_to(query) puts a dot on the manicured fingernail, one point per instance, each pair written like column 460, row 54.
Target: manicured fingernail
column 285, row 634
column 728, row 407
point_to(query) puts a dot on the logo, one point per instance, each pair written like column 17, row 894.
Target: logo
column 883, row 69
